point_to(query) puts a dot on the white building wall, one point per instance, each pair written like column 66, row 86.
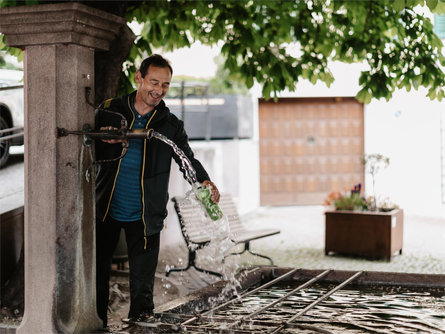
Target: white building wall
column 407, row 129
column 233, row 165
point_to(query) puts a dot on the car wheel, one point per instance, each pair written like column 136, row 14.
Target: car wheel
column 4, row 145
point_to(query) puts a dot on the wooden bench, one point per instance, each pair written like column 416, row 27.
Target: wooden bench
column 192, row 227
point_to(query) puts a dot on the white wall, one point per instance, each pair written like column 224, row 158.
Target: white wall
column 407, row 129
column 233, row 165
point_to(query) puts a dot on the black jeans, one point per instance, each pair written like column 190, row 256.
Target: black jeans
column 142, row 264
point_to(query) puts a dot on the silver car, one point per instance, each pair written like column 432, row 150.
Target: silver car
column 11, row 112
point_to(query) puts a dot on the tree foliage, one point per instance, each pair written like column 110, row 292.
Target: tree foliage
column 226, row 82
column 396, row 42
column 5, row 64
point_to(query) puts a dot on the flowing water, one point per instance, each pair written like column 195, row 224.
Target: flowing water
column 216, row 230
column 186, row 165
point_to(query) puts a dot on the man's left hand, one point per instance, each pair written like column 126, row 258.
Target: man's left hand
column 213, row 190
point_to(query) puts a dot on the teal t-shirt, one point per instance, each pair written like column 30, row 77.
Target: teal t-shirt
column 126, row 204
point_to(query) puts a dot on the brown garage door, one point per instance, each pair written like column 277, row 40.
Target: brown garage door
column 308, row 148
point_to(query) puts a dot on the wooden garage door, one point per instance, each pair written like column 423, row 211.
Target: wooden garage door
column 308, row 148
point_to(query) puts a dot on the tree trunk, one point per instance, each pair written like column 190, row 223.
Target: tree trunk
column 108, row 65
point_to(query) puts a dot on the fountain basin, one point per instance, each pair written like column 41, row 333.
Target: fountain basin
column 310, row 301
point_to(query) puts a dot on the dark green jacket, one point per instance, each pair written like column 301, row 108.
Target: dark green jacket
column 156, row 161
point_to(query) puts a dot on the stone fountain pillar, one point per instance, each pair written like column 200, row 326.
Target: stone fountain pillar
column 59, row 41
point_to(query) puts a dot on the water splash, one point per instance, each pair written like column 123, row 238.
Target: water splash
column 214, row 255
column 218, row 231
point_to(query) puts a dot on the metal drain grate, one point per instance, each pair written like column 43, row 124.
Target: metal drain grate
column 326, row 302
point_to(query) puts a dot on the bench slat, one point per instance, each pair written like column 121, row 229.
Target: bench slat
column 194, row 222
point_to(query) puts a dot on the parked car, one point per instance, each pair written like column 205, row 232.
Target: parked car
column 11, row 112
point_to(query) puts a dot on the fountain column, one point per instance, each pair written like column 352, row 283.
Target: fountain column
column 59, row 41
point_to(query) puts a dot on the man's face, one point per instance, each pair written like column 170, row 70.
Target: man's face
column 153, row 87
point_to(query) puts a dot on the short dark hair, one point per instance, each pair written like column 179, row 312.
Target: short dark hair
column 155, row 60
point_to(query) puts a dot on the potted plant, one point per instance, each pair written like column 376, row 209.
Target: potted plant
column 363, row 226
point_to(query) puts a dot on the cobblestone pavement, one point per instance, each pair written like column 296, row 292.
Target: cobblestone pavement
column 301, row 242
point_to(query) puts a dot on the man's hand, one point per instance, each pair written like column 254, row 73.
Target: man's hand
column 112, row 141
column 213, row 190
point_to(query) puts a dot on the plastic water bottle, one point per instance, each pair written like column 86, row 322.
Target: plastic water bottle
column 204, row 196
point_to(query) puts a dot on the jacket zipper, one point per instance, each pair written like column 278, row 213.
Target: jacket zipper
column 142, row 182
column 117, row 172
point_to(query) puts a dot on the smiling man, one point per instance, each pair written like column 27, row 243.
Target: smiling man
column 132, row 192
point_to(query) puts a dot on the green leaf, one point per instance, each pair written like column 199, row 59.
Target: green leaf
column 399, row 5
column 7, row 3
column 364, row 96
column 2, row 42
column 306, row 73
column 249, row 82
column 329, row 79
column 313, row 79
column 440, row 8
column 432, row 94
column 431, row 4
column 267, row 87
column 408, row 86
column 225, row 48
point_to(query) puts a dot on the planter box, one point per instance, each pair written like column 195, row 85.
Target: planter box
column 374, row 235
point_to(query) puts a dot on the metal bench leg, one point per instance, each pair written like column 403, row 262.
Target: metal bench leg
column 239, row 253
column 263, row 256
column 247, row 249
column 191, row 263
column 208, row 271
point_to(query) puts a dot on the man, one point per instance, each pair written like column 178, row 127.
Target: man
column 132, row 193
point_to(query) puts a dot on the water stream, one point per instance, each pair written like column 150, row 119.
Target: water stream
column 186, row 165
